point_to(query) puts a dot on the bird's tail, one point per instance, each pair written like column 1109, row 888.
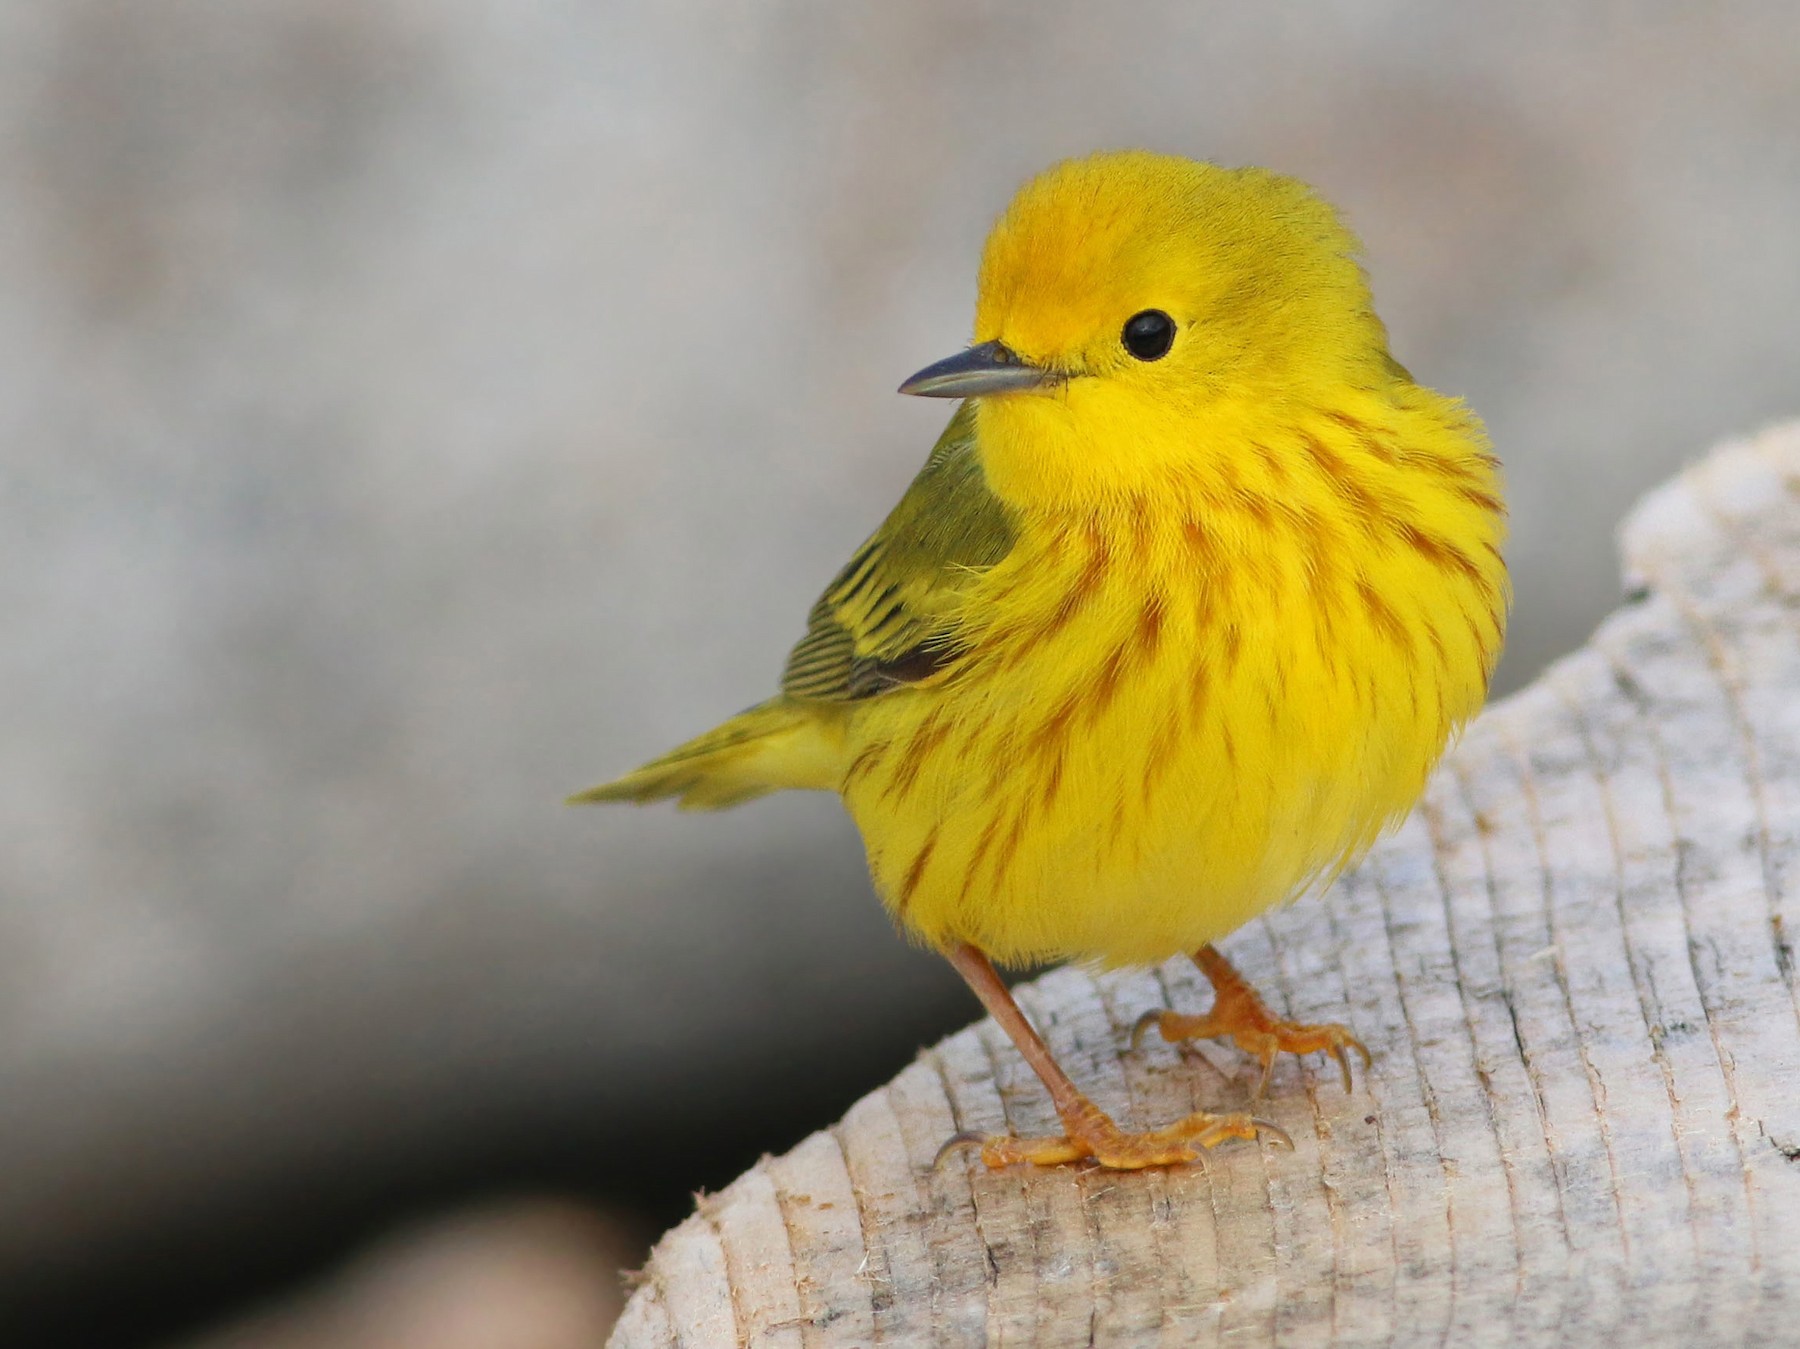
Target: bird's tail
column 777, row 744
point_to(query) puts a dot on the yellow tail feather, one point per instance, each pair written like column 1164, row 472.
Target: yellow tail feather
column 774, row 745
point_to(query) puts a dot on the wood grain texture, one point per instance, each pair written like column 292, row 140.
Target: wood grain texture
column 1574, row 965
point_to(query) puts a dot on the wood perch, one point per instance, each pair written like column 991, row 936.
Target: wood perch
column 1574, row 965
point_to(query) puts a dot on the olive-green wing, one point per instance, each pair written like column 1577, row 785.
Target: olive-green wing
column 883, row 622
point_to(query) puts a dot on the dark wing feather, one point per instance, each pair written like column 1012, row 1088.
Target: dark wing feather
column 881, row 623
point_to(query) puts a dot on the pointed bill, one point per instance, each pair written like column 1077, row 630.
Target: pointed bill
column 988, row 368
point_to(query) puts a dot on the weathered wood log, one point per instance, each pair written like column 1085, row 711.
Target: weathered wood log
column 1574, row 965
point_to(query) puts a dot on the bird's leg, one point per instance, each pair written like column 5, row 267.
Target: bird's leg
column 1238, row 1012
column 1088, row 1132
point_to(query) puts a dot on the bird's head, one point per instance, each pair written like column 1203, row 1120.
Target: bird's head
column 1136, row 309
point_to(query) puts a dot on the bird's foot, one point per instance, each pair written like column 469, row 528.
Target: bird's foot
column 1240, row 1015
column 1097, row 1139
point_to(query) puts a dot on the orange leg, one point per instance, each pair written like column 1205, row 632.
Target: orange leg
column 1088, row 1132
column 1237, row 1012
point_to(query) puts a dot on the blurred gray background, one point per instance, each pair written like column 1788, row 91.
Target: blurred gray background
column 417, row 409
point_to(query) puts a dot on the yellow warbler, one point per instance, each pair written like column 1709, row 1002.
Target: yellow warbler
column 1174, row 622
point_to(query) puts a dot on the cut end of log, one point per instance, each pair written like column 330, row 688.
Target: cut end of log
column 1574, row 965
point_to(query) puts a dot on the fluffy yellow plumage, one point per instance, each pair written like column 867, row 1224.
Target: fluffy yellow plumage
column 1182, row 610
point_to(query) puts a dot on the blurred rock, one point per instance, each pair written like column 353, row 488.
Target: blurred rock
column 414, row 411
column 530, row 1275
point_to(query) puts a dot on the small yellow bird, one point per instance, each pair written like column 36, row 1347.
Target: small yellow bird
column 1175, row 621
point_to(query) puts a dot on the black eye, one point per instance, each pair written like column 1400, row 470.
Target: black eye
column 1149, row 335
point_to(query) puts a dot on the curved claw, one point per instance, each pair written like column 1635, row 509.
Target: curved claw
column 1338, row 1052
column 966, row 1138
column 1153, row 1017
column 1275, row 1132
column 1262, row 1083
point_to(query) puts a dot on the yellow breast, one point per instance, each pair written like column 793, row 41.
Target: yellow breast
column 1187, row 704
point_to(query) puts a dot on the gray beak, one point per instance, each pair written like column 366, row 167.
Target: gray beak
column 988, row 368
